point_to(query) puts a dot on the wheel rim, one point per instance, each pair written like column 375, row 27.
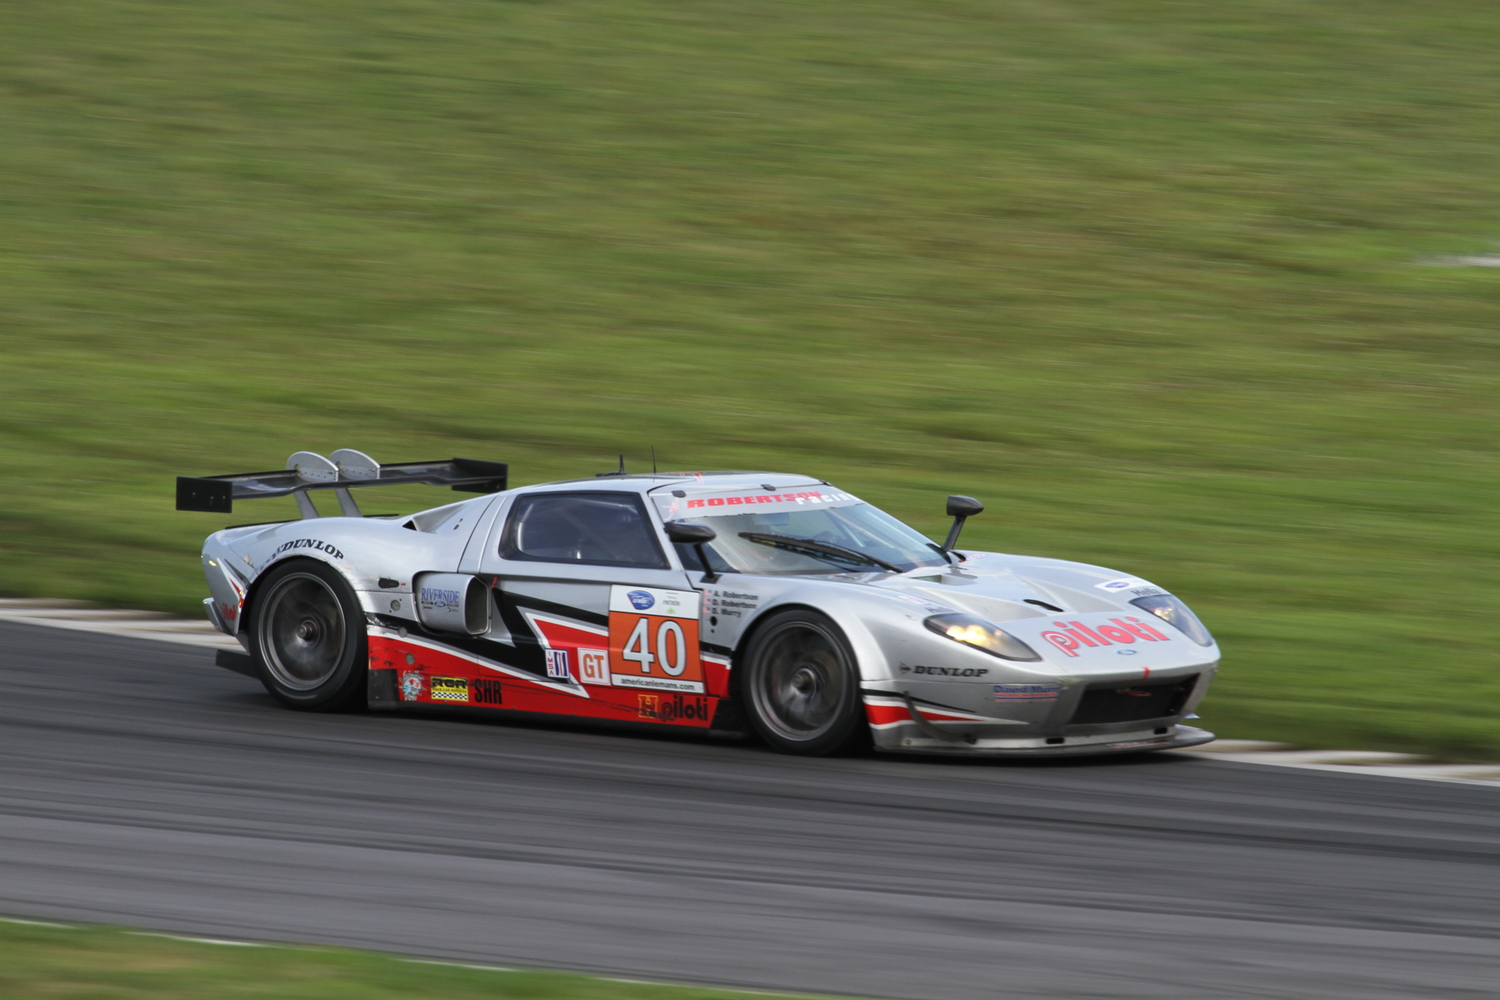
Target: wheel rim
column 302, row 632
column 801, row 685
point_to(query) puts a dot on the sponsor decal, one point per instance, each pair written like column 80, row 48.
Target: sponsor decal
column 946, row 671
column 657, row 683
column 449, row 688
column 1120, row 630
column 1146, row 591
column 1027, row 692
column 231, row 612
column 672, row 603
column 486, row 691
column 927, row 606
column 412, row 684
column 812, row 496
column 593, row 666
column 656, row 650
column 737, row 503
column 308, row 543
column 1124, row 583
column 437, row 597
column 557, row 664
column 676, row 708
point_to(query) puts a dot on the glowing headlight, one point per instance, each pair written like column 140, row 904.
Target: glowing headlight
column 981, row 634
column 1169, row 609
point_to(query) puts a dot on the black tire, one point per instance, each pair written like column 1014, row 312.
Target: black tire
column 800, row 686
column 308, row 639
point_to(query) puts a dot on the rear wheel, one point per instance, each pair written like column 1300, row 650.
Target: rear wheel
column 801, row 685
column 307, row 636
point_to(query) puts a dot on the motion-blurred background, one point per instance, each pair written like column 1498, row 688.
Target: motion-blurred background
column 1196, row 291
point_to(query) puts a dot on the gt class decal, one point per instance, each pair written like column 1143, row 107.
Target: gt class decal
column 593, row 666
column 1074, row 635
column 653, row 639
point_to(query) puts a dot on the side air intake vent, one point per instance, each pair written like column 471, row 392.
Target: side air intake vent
column 453, row 602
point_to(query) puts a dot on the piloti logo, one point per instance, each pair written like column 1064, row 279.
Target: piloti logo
column 1120, row 630
column 674, row 708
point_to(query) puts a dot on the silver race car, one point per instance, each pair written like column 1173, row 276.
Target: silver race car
column 725, row 602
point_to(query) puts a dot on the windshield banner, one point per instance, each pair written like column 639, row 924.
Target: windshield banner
column 739, row 502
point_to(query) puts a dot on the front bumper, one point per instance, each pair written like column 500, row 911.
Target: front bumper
column 1175, row 738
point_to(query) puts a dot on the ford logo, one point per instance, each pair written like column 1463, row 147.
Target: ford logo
column 640, row 600
column 1127, row 652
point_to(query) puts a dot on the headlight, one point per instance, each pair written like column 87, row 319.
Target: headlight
column 981, row 634
column 1169, row 609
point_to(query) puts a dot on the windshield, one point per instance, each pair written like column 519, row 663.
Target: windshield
column 845, row 536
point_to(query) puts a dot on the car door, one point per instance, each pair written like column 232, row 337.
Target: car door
column 590, row 604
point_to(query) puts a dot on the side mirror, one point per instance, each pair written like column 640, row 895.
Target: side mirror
column 697, row 534
column 960, row 508
column 964, row 506
column 690, row 532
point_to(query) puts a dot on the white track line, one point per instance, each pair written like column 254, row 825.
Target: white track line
column 136, row 624
column 1377, row 762
column 164, row 628
column 199, row 940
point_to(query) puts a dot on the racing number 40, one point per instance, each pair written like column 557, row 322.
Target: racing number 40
column 671, row 647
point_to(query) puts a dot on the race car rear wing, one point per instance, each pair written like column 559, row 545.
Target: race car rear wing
column 348, row 468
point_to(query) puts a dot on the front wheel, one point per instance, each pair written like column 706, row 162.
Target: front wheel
column 307, row 636
column 801, row 685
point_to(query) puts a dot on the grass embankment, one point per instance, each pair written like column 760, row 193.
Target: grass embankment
column 1144, row 276
column 100, row 963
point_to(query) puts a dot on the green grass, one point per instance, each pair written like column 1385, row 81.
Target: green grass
column 1147, row 277
column 100, row 963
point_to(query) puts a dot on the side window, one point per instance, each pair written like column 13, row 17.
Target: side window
column 601, row 529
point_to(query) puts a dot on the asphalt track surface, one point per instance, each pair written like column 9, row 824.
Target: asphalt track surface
column 141, row 785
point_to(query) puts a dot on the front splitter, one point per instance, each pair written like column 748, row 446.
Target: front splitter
column 1184, row 736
